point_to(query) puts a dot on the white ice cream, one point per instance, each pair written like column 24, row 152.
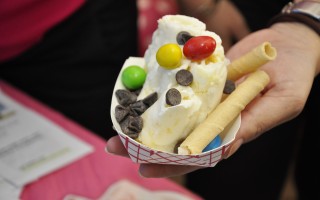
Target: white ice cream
column 163, row 125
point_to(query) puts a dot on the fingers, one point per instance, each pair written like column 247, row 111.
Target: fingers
column 260, row 116
column 159, row 170
column 115, row 146
column 233, row 148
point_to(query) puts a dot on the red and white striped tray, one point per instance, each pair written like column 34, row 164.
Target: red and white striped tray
column 140, row 153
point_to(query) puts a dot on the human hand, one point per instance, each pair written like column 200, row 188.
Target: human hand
column 115, row 146
column 291, row 73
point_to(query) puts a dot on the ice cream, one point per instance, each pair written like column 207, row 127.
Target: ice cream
column 167, row 99
column 164, row 124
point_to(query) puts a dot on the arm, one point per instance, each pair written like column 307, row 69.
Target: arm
column 292, row 75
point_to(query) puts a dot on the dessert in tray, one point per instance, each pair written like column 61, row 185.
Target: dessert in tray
column 168, row 104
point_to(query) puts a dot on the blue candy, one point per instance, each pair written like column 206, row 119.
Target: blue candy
column 216, row 142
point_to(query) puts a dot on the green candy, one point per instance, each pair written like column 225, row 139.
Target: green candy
column 133, row 77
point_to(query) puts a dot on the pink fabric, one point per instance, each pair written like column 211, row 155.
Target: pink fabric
column 91, row 175
column 149, row 13
column 24, row 22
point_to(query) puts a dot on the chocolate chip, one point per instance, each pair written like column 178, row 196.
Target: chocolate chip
column 229, row 87
column 132, row 126
column 173, row 97
column 150, row 99
column 138, row 108
column 137, row 91
column 183, row 37
column 125, row 97
column 121, row 112
column 184, row 77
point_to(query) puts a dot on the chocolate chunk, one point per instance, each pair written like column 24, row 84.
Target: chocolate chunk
column 184, row 77
column 137, row 91
column 150, row 99
column 132, row 126
column 125, row 97
column 121, row 112
column 183, row 37
column 229, row 87
column 173, row 97
column 138, row 108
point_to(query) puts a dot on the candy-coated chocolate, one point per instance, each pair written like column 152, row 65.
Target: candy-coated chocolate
column 216, row 142
column 169, row 56
column 200, row 47
column 133, row 77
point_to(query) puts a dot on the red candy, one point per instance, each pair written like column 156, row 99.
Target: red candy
column 200, row 47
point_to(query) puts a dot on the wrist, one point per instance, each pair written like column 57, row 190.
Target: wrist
column 304, row 42
column 304, row 15
column 306, row 12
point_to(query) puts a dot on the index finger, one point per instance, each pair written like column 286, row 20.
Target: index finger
column 115, row 146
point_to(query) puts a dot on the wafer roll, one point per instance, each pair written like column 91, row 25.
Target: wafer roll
column 251, row 61
column 224, row 113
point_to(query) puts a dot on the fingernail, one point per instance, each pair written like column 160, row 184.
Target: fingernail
column 140, row 171
column 234, row 148
column 107, row 151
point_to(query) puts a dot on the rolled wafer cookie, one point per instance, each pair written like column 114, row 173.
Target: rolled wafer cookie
column 251, row 61
column 224, row 113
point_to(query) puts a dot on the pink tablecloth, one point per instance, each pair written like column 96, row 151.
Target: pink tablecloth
column 89, row 176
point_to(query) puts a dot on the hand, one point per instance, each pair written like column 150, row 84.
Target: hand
column 115, row 146
column 291, row 73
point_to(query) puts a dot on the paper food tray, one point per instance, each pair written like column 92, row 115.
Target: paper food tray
column 140, row 153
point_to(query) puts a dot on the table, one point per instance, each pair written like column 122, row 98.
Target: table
column 91, row 175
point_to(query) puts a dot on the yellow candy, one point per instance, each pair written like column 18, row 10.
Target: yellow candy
column 169, row 56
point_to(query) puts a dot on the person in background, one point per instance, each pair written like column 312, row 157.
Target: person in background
column 68, row 54
column 279, row 125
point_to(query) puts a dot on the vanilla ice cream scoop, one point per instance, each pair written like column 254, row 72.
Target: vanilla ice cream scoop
column 164, row 123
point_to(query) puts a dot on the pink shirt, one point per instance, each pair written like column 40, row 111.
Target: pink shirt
column 24, row 22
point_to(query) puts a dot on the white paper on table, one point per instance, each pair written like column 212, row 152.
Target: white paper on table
column 9, row 191
column 32, row 146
